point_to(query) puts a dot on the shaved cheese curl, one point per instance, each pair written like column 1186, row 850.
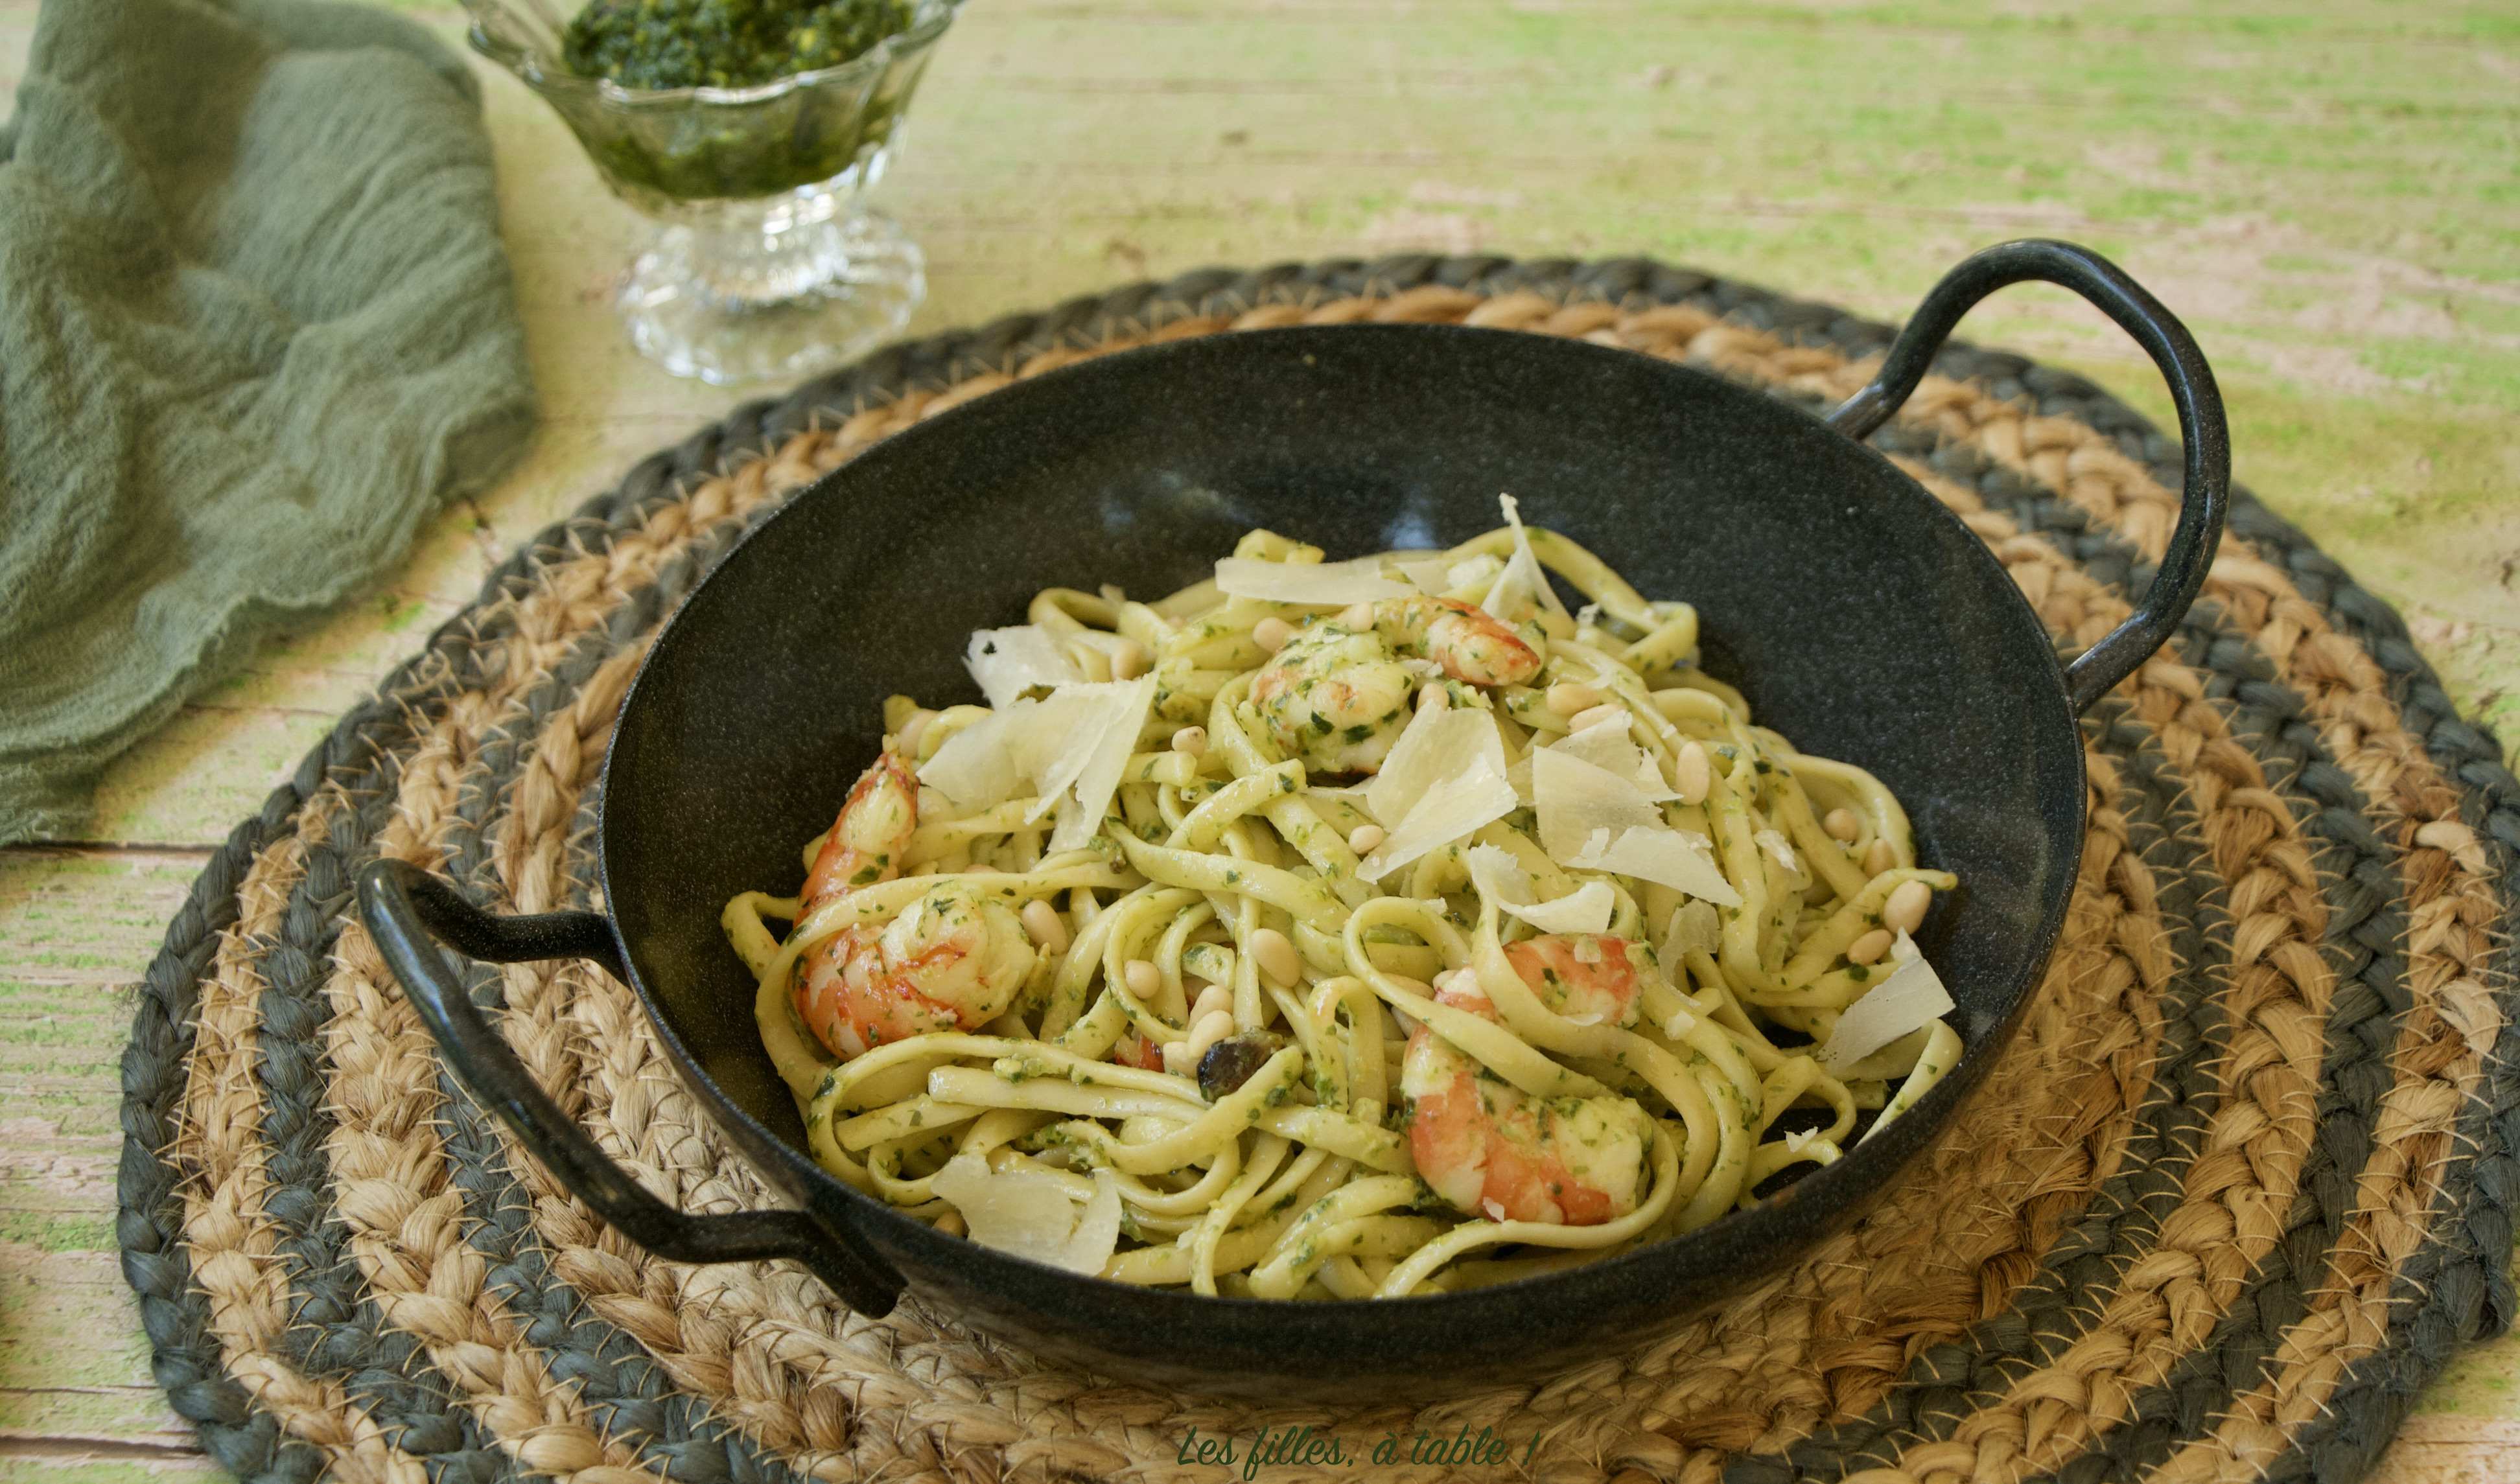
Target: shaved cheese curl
column 1910, row 1000
column 1008, row 663
column 1316, row 584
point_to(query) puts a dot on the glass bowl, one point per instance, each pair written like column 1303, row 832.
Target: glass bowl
column 764, row 262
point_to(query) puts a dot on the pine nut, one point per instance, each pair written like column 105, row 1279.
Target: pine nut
column 1568, row 697
column 1906, row 909
column 1880, row 858
column 1432, row 697
column 1213, row 999
column 1145, row 980
column 1692, row 773
column 1843, row 826
column 1191, row 742
column 1358, row 617
column 1212, row 1027
column 1041, row 920
column 1271, row 634
column 905, row 742
column 1869, row 948
column 1366, row 839
column 1128, row 659
column 1178, row 1061
column 951, row 1224
column 1275, row 955
column 1608, row 710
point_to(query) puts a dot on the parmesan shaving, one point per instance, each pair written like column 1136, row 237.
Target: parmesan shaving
column 1892, row 1062
column 1439, row 743
column 1125, row 710
column 1912, row 999
column 1444, row 779
column 1523, row 576
column 1027, row 1213
column 1676, row 858
column 1591, row 819
column 1695, row 928
column 1606, row 746
column 1008, row 663
column 1473, row 798
column 974, row 768
column 1498, row 875
column 1776, row 845
column 1102, row 730
column 1080, row 739
column 1055, row 743
column 1576, row 797
column 1313, row 583
column 1586, row 908
column 1430, row 576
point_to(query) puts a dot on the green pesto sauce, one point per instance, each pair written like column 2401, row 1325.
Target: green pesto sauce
column 723, row 43
column 658, row 44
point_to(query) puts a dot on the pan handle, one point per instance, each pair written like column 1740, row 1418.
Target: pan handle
column 408, row 912
column 2202, row 432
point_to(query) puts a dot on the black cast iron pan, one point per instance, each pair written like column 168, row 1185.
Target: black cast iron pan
column 1861, row 619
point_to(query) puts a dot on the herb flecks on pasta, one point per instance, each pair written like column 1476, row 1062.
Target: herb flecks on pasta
column 1346, row 930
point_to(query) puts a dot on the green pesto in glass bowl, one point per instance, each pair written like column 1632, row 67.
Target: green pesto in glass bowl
column 657, row 147
column 663, row 44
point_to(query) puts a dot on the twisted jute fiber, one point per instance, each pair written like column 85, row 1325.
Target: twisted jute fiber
column 2241, row 1185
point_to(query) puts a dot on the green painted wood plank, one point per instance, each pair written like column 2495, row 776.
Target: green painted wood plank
column 78, row 1462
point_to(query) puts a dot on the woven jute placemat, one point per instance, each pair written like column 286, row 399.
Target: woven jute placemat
column 2243, row 1183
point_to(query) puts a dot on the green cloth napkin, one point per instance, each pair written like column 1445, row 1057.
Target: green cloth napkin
column 255, row 326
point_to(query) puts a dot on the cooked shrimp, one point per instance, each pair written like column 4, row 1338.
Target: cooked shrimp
column 1336, row 693
column 1335, row 697
column 949, row 961
column 873, row 829
column 1472, row 646
column 1589, row 979
column 1487, row 1148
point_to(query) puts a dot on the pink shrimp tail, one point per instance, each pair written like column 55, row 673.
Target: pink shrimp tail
column 871, row 832
column 1473, row 646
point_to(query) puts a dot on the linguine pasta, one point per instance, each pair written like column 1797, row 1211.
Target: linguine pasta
column 1346, row 930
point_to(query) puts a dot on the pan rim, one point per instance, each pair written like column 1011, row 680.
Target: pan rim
column 1867, row 1173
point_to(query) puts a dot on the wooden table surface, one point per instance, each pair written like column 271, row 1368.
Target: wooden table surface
column 2327, row 191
